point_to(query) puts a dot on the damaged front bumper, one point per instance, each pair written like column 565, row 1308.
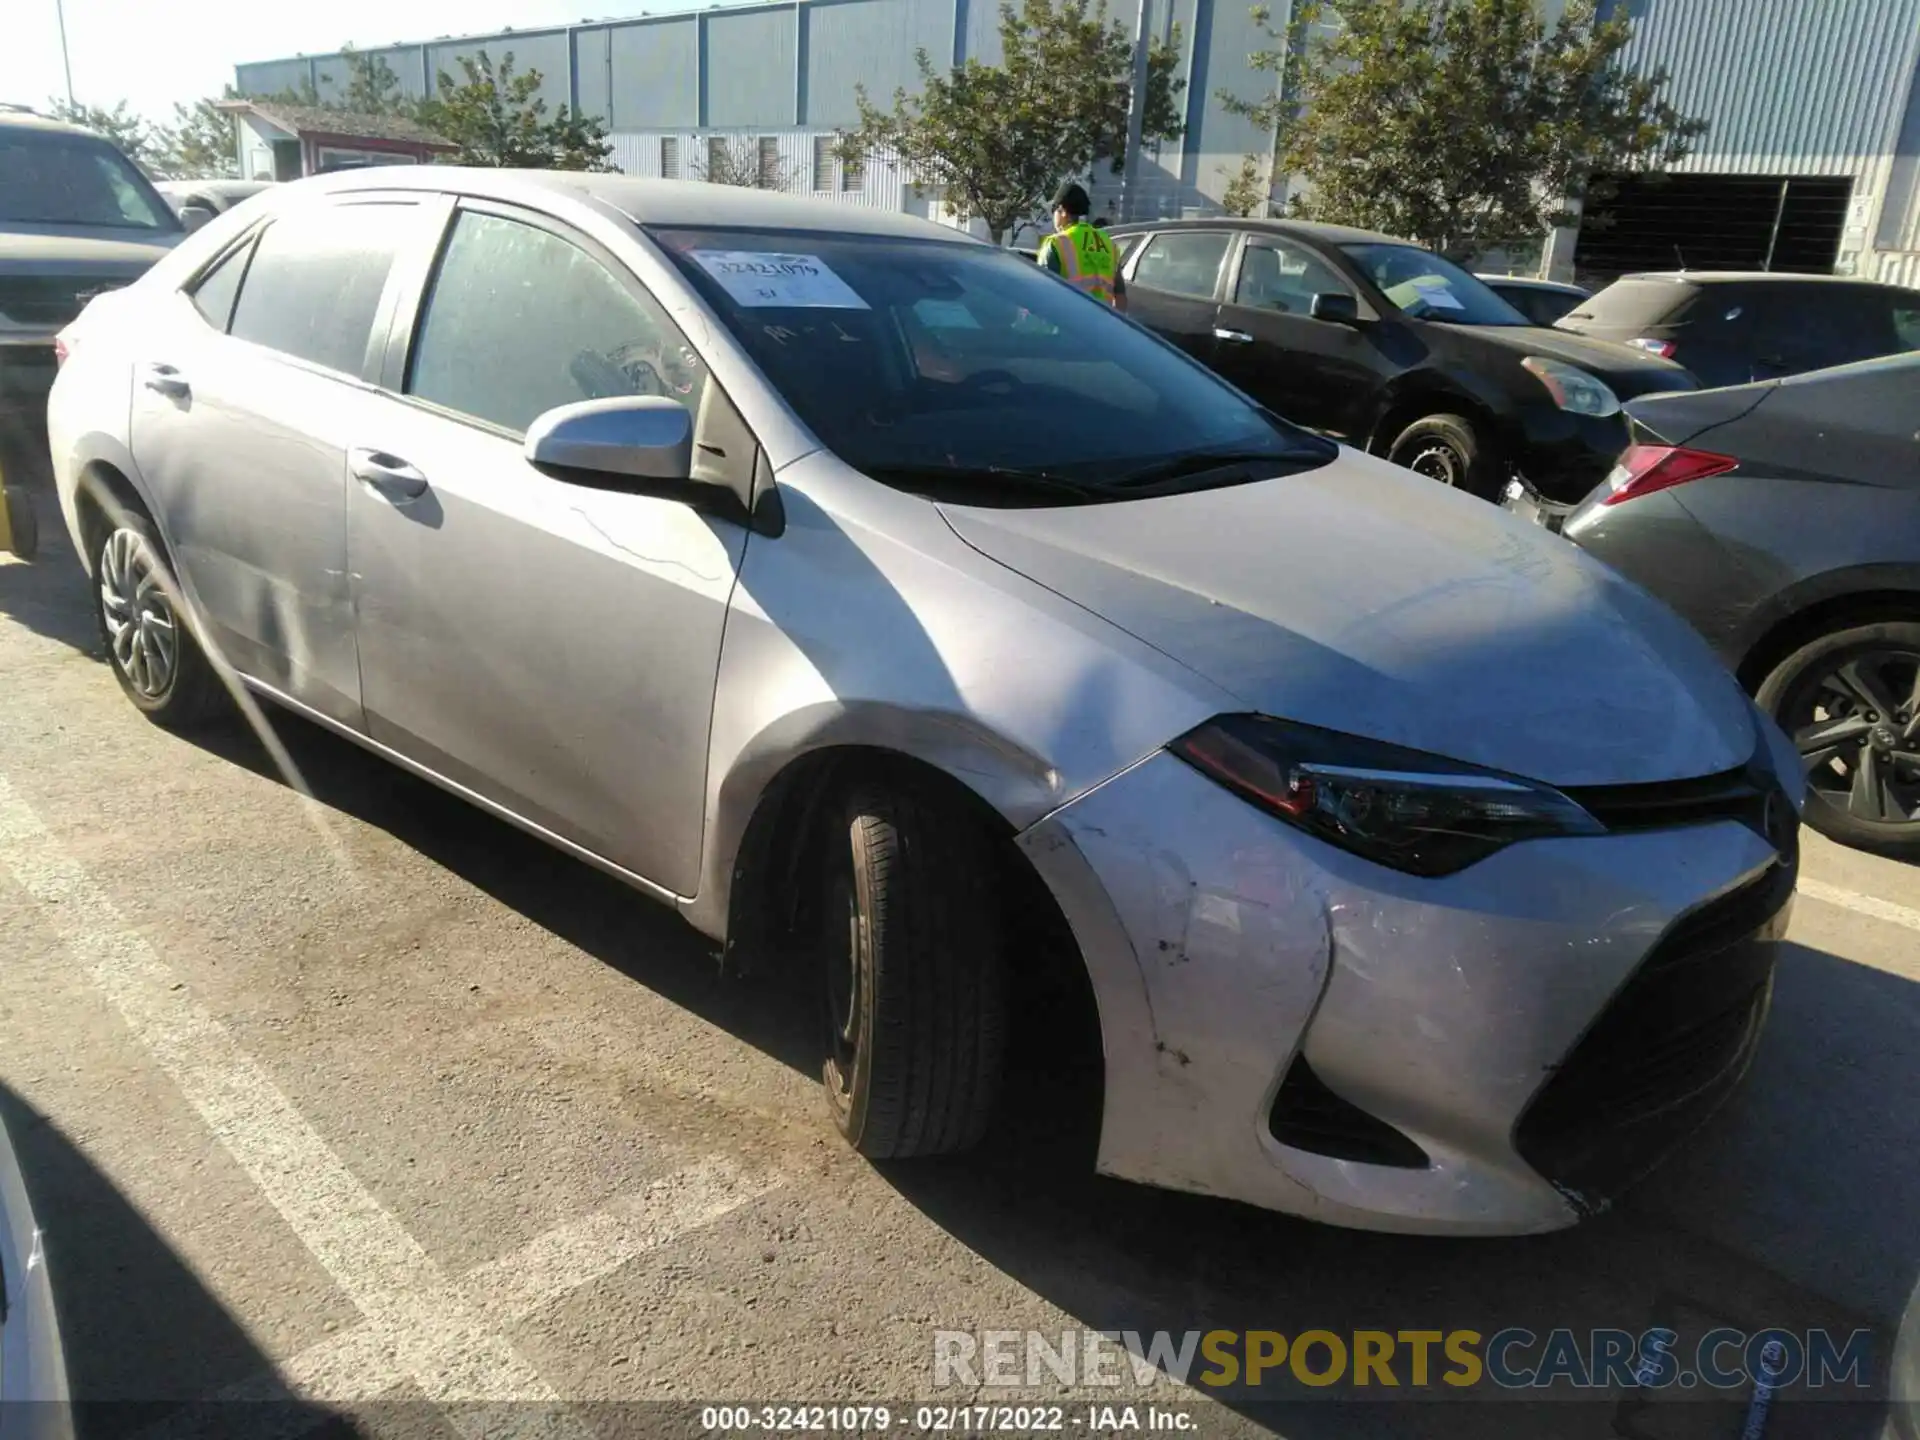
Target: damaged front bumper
column 1289, row 1025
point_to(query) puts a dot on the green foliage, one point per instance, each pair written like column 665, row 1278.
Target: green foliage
column 198, row 145
column 736, row 161
column 372, row 88
column 137, row 139
column 1463, row 124
column 498, row 119
column 998, row 139
column 1247, row 190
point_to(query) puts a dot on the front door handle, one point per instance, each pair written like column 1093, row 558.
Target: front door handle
column 1232, row 337
column 388, row 474
column 168, row 381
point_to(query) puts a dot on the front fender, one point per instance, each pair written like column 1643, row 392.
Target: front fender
column 78, row 458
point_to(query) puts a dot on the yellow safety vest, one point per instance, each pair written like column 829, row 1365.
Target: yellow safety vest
column 1087, row 260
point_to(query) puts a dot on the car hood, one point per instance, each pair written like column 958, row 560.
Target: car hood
column 1628, row 371
column 1362, row 598
column 47, row 252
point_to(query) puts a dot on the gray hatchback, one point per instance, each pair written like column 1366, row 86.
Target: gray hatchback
column 1783, row 520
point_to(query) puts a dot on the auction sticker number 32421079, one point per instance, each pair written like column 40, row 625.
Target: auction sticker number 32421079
column 762, row 279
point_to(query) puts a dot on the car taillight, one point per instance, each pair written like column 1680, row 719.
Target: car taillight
column 1662, row 348
column 1647, row 468
column 61, row 349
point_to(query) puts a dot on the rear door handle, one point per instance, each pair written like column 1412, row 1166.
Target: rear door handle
column 388, row 474
column 1232, row 337
column 167, row 381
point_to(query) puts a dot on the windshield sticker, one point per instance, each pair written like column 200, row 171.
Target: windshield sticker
column 1434, row 291
column 760, row 278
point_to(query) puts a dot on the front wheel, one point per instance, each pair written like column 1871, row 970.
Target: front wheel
column 154, row 655
column 912, row 975
column 1449, row 449
column 1851, row 702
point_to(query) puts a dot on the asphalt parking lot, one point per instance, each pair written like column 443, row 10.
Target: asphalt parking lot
column 358, row 1096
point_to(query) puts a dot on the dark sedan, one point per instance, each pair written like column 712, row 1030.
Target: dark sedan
column 1391, row 348
column 1783, row 520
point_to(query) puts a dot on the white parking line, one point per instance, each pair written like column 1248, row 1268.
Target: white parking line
column 1861, row 904
column 420, row 1324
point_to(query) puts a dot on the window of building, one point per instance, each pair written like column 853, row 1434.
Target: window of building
column 213, row 297
column 717, row 159
column 769, row 171
column 823, row 162
column 853, row 172
column 520, row 320
column 315, row 282
column 1183, row 262
column 670, row 157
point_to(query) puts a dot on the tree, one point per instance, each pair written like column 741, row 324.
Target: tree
column 198, row 145
column 497, row 118
column 1463, row 124
column 737, row 161
column 999, row 138
column 131, row 133
column 372, row 88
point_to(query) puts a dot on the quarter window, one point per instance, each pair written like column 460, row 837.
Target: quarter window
column 1183, row 262
column 314, row 286
column 520, row 321
column 213, row 296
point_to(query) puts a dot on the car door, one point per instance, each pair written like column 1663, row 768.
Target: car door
column 247, row 395
column 551, row 647
column 1317, row 373
column 1173, row 287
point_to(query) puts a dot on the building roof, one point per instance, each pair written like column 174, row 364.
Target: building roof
column 351, row 124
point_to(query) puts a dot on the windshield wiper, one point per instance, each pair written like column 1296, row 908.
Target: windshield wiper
column 1207, row 463
column 988, row 477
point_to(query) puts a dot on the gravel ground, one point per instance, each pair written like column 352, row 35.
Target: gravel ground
column 368, row 1099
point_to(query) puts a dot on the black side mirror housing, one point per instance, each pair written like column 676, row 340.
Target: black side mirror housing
column 1335, row 308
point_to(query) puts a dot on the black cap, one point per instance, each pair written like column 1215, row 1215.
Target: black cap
column 1072, row 198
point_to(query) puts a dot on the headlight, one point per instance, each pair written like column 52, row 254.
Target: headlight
column 1405, row 809
column 1571, row 387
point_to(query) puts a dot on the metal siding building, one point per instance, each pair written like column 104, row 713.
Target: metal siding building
column 1819, row 93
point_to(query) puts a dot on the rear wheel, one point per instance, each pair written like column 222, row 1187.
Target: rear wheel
column 1851, row 702
column 154, row 656
column 911, row 973
column 1447, row 448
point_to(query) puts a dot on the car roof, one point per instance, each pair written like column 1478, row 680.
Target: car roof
column 20, row 118
column 1534, row 282
column 1753, row 277
column 210, row 187
column 691, row 203
column 1311, row 229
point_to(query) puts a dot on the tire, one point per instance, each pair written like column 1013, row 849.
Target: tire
column 911, row 974
column 150, row 648
column 1448, row 449
column 1848, row 700
column 22, row 523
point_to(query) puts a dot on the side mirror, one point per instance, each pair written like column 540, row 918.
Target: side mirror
column 639, row 443
column 1335, row 308
column 194, row 216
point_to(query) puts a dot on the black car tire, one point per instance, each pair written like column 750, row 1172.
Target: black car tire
column 190, row 693
column 1448, row 449
column 912, row 975
column 1815, row 672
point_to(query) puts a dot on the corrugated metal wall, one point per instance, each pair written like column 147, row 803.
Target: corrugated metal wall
column 881, row 186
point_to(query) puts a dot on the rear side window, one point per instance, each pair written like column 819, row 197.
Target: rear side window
column 1636, row 304
column 1906, row 323
column 1183, row 262
column 520, row 320
column 314, row 286
column 213, row 296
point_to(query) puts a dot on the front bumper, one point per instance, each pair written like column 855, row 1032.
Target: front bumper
column 1563, row 455
column 1225, row 948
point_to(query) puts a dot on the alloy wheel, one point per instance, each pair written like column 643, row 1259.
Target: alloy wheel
column 141, row 627
column 1856, row 724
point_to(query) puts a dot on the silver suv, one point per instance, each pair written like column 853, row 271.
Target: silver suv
column 76, row 218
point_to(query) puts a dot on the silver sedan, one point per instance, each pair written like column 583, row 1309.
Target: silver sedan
column 884, row 604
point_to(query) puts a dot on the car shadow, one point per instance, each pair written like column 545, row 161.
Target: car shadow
column 135, row 1320
column 1790, row 1210
column 49, row 594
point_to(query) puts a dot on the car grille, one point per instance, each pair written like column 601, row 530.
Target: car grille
column 47, row 301
column 1750, row 795
column 1668, row 1049
column 1308, row 1116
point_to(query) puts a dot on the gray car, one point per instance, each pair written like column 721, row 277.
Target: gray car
column 886, row 606
column 1783, row 520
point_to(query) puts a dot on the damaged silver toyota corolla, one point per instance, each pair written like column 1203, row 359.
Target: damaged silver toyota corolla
column 817, row 569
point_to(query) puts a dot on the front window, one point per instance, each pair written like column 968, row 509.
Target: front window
column 915, row 360
column 1427, row 287
column 58, row 179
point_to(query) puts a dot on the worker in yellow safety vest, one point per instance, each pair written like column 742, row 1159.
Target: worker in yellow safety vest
column 1080, row 253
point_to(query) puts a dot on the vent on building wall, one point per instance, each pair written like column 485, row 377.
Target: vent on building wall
column 853, row 172
column 716, row 157
column 769, row 175
column 823, row 162
column 670, row 157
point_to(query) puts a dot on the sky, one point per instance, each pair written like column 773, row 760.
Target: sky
column 151, row 53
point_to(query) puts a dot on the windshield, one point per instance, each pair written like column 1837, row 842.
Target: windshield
column 1427, row 287
column 55, row 179
column 913, row 359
